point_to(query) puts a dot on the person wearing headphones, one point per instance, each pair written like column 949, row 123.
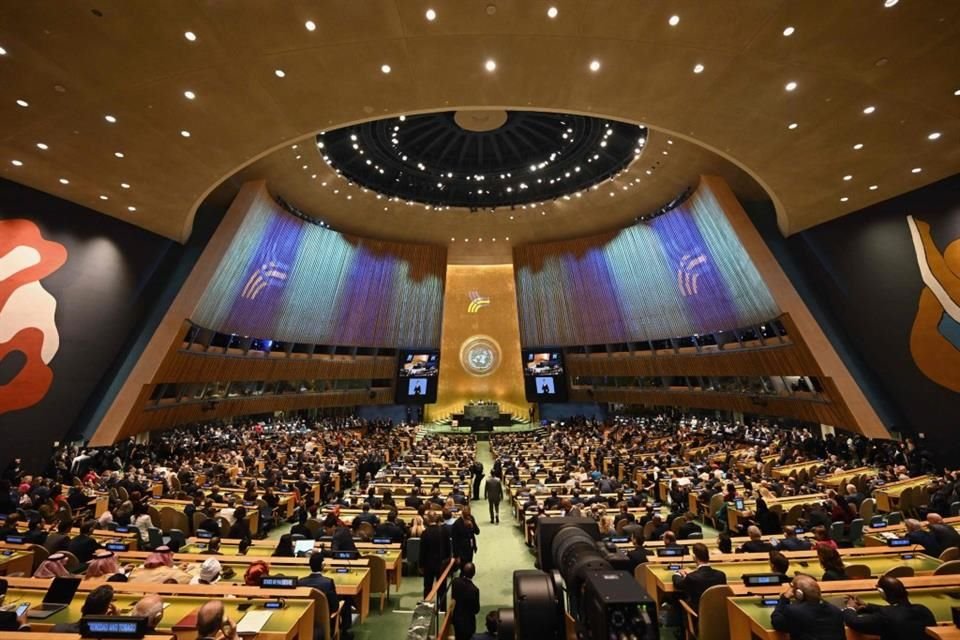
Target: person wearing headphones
column 900, row 620
column 803, row 614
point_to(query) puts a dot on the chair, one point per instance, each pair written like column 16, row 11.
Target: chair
column 297, row 536
column 413, row 556
column 378, row 578
column 837, row 531
column 198, row 518
column 856, row 532
column 648, row 530
column 313, row 526
column 224, row 525
column 365, row 531
column 950, row 553
column 40, row 554
column 900, row 571
column 955, row 509
column 710, row 623
column 154, row 538
column 696, row 535
column 326, row 623
column 857, row 571
column 794, row 515
column 678, row 522
column 168, row 518
column 894, row 517
column 906, row 502
column 867, row 509
column 715, row 503
column 73, row 563
column 177, row 536
column 951, row 568
column 155, row 516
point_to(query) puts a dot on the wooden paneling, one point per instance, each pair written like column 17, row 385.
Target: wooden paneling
column 186, row 366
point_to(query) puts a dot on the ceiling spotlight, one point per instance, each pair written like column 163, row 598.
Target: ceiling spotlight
column 844, row 199
column 858, row 146
column 957, row 92
column 490, row 65
column 110, row 119
column 916, row 170
column 385, row 68
column 280, row 73
column 674, row 21
column 431, row 15
column 933, row 136
column 131, row 208
column 42, row 146
column 23, row 103
column 190, row 35
column 594, row 65
column 873, row 187
column 124, row 185
column 189, row 95
column 185, row 133
column 792, row 125
column 3, row 51
column 788, row 31
column 552, row 12
column 64, row 181
column 103, row 197
column 890, row 3
column 790, row 86
column 310, row 25
column 16, row 163
column 869, row 110
column 698, row 68
column 848, row 177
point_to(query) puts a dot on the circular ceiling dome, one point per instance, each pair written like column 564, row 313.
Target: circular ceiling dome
column 482, row 159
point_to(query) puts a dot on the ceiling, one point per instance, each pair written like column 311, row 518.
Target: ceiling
column 75, row 63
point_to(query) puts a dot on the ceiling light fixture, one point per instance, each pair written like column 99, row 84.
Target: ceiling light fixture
column 594, row 65
column 64, row 181
column 873, row 187
column 131, row 208
column 42, row 146
column 23, row 103
column 790, row 86
column 124, row 185
column 385, row 68
column 310, row 25
column 858, row 146
column 788, row 31
column 698, row 68
column 844, row 199
column 792, row 125
column 916, row 170
column 103, row 197
column 431, row 15
column 848, row 177
column 185, row 133
column 869, row 110
column 189, row 95
column 673, row 21
column 957, row 92
column 933, row 136
column 890, row 3
column 490, row 65
column 190, row 35
column 111, row 119
column 16, row 163
column 3, row 51
column 552, row 12
column 280, row 73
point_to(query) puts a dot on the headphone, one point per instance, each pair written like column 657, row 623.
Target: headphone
column 799, row 594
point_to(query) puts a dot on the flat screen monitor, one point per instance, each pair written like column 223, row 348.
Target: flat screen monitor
column 303, row 546
column 417, row 377
column 544, row 376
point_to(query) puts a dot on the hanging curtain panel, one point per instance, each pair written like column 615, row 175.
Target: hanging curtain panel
column 288, row 279
column 682, row 273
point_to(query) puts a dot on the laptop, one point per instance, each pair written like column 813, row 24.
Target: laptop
column 58, row 597
column 303, row 547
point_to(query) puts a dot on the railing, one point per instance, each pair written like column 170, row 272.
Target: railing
column 425, row 624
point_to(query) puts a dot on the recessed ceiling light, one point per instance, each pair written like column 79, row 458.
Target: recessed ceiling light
column 185, row 133
column 280, row 73
column 698, row 68
column 453, row 239
column 16, row 163
column 873, row 187
column 934, row 135
column 594, row 65
column 792, row 125
column 23, row 103
column 103, row 197
column 110, row 119
column 431, row 15
column 3, row 51
column 788, row 31
column 42, row 146
column 310, row 25
column 190, row 35
column 869, row 110
column 890, row 3
column 790, row 86
column 64, row 181
column 916, row 170
column 189, row 95
column 552, row 12
column 124, row 185
column 131, row 208
column 957, row 92
column 848, row 177
column 490, row 65
column 385, row 68
column 844, row 199
column 507, row 238
column 674, row 21
column 858, row 146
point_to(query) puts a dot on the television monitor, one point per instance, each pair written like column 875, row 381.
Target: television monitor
column 417, row 376
column 544, row 376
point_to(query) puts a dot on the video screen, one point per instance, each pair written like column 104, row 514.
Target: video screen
column 543, row 375
column 417, row 377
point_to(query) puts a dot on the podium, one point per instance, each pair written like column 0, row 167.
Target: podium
column 482, row 416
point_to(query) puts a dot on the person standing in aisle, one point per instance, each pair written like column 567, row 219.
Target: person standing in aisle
column 477, row 470
column 467, row 598
column 493, row 491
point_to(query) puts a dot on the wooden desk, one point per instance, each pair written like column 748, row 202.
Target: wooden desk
column 788, row 470
column 253, row 514
column 840, row 479
column 946, row 631
column 888, row 495
column 16, row 560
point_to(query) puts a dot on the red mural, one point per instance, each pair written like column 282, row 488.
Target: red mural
column 27, row 311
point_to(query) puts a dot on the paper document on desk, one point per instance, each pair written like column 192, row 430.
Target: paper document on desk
column 253, row 621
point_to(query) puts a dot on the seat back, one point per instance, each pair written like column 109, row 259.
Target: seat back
column 177, row 535
column 365, row 531
column 794, row 515
column 713, row 613
column 678, row 522
column 73, row 563
column 900, row 571
column 950, row 553
column 313, row 525
column 154, row 537
column 154, row 516
column 857, row 571
column 867, row 508
column 836, row 530
column 378, row 573
column 951, row 568
column 894, row 517
column 413, row 552
column 856, row 532
column 906, row 503
column 648, row 530
column 40, row 554
column 168, row 518
column 955, row 508
column 198, row 518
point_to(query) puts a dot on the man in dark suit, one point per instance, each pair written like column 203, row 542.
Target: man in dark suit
column 756, row 543
column 467, row 596
column 791, row 542
column 926, row 539
column 901, row 620
column 434, row 555
column 945, row 534
column 477, row 470
column 694, row 583
column 493, row 491
column 638, row 555
column 84, row 544
column 803, row 614
column 325, row 585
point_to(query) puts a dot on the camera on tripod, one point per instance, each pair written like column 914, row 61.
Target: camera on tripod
column 582, row 583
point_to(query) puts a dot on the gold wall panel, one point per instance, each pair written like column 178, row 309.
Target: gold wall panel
column 479, row 312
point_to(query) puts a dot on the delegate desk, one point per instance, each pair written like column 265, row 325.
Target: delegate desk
column 734, row 515
column 253, row 514
column 296, row 620
column 788, row 470
column 888, row 495
column 657, row 576
column 748, row 618
column 16, row 558
column 877, row 537
column 840, row 479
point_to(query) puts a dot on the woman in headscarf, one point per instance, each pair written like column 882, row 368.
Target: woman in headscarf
column 256, row 572
column 102, row 566
column 55, row 566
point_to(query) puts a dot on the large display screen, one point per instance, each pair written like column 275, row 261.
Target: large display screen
column 544, row 378
column 417, row 377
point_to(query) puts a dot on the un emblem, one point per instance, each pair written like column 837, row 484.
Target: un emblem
column 480, row 355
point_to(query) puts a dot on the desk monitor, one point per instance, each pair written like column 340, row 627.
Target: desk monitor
column 738, row 503
column 302, row 546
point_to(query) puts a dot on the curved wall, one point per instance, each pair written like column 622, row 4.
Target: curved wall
column 682, row 273
column 287, row 279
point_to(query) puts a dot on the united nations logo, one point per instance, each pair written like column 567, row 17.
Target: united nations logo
column 480, row 355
